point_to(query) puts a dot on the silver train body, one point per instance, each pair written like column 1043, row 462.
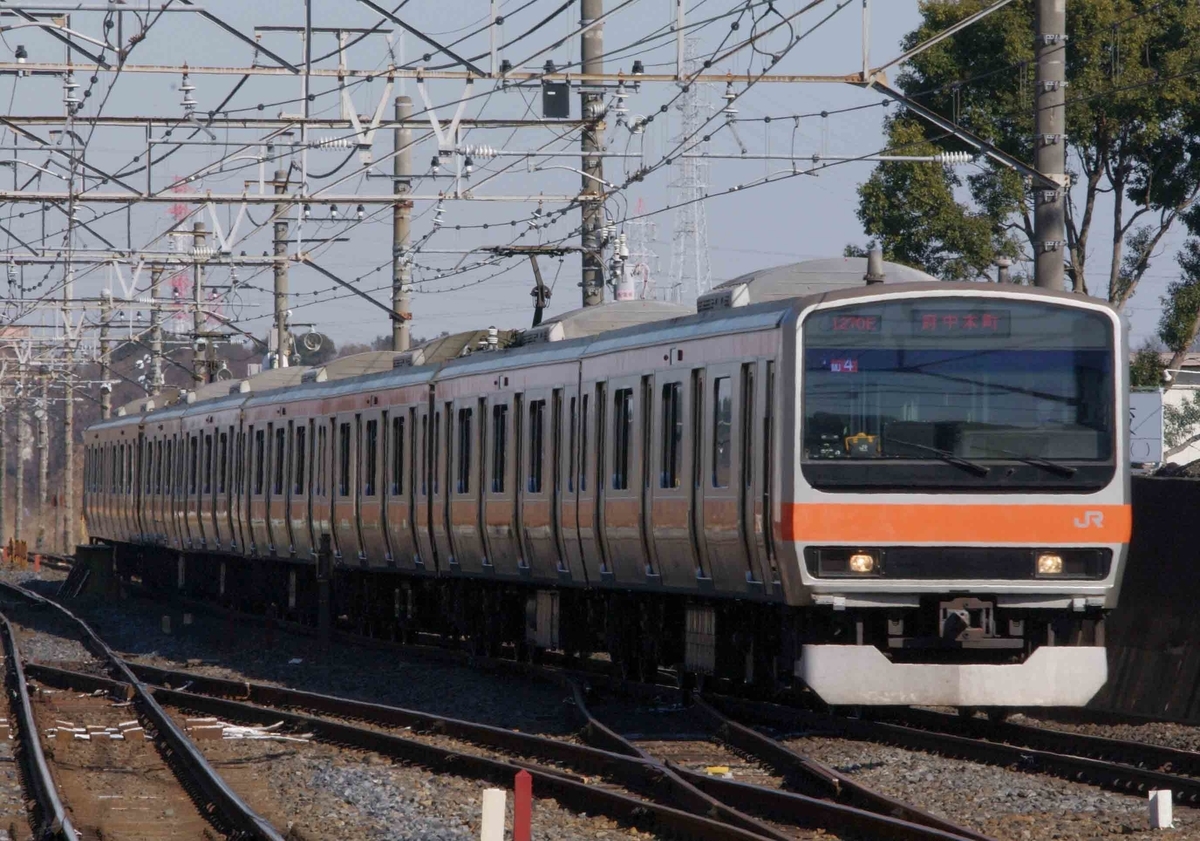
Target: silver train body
column 897, row 494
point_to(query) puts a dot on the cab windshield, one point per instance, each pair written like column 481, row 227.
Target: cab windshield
column 958, row 392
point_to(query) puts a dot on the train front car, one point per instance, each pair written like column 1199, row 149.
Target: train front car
column 961, row 507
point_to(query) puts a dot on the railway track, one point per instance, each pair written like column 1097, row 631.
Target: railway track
column 773, row 769
column 608, row 774
column 587, row 777
column 91, row 764
column 1116, row 765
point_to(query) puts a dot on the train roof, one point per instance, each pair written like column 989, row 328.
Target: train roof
column 758, row 300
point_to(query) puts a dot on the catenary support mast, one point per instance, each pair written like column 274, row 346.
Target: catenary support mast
column 1050, row 141
column 592, row 105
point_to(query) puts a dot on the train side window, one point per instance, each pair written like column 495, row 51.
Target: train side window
column 278, row 461
column 463, row 473
column 672, row 434
column 170, row 466
column 747, row 430
column 193, row 462
column 622, row 430
column 769, row 459
column 574, row 419
column 397, row 456
column 158, row 466
column 424, row 459
column 208, row 463
column 722, row 432
column 537, row 444
column 322, row 459
column 583, row 444
column 222, row 461
column 371, row 458
column 259, row 455
column 301, row 460
column 437, row 442
column 129, row 468
column 499, row 446
column 344, row 460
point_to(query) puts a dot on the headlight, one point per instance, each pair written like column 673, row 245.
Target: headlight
column 862, row 563
column 1049, row 563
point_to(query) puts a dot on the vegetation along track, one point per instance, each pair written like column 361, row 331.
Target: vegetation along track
column 1116, row 765
column 79, row 772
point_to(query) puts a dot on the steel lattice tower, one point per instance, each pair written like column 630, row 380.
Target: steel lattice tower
column 691, row 274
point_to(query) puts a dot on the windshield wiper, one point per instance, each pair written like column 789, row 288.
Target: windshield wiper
column 1044, row 463
column 947, row 456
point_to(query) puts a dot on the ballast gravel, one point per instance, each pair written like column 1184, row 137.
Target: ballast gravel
column 1001, row 802
column 1165, row 733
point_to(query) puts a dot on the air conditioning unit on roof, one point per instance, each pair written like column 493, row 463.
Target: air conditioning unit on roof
column 724, row 298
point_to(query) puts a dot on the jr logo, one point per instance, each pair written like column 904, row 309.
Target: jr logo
column 1090, row 519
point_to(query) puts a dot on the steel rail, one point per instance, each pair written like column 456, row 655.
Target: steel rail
column 271, row 695
column 595, row 732
column 232, row 808
column 263, row 703
column 575, row 792
column 55, row 823
column 808, row 774
column 1137, row 754
column 793, row 807
column 1113, row 776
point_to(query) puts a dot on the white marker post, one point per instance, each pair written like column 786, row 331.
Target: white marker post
column 492, row 828
column 1160, row 809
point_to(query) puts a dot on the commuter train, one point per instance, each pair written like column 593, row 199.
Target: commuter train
column 891, row 492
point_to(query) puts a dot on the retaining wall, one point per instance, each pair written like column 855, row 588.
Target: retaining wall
column 1154, row 634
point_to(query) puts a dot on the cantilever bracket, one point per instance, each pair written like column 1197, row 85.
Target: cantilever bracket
column 364, row 137
column 1040, row 179
column 445, row 137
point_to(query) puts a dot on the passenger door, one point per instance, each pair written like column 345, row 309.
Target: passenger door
column 623, row 524
column 672, row 487
column 370, row 485
column 500, row 515
column 399, row 507
column 465, row 536
column 722, row 481
column 538, row 480
column 567, row 472
column 425, row 482
column 345, row 492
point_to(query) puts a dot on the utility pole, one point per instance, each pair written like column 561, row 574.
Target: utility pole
column 156, row 332
column 3, row 464
column 105, row 360
column 1050, row 141
column 200, row 372
column 43, row 447
column 282, row 337
column 401, row 217
column 592, row 105
column 68, row 492
column 22, row 443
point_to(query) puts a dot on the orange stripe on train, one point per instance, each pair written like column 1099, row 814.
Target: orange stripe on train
column 866, row 523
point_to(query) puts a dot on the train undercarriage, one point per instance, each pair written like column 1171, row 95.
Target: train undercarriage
column 719, row 642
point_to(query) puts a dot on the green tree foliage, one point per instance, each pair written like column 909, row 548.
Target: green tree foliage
column 1146, row 368
column 1179, row 425
column 910, row 209
column 1180, row 320
column 1133, row 131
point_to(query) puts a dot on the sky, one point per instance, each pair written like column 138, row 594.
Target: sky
column 794, row 219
